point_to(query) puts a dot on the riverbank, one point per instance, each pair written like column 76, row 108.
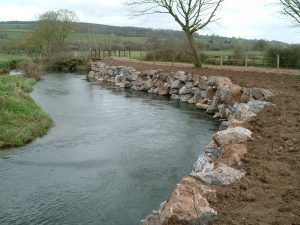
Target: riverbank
column 21, row 119
column 268, row 194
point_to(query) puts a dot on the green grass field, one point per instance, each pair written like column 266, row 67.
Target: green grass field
column 21, row 120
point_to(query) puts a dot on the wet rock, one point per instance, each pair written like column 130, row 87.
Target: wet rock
column 153, row 91
column 182, row 76
column 223, row 175
column 164, row 90
column 232, row 135
column 202, row 106
column 224, row 125
column 175, row 97
column 125, row 84
column 91, row 76
column 185, row 97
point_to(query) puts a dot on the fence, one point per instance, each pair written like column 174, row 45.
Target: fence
column 170, row 56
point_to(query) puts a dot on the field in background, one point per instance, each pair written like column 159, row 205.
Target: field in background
column 136, row 43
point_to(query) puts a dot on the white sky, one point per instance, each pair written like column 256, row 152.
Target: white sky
column 238, row 18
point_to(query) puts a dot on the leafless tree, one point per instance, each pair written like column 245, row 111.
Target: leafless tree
column 291, row 8
column 191, row 15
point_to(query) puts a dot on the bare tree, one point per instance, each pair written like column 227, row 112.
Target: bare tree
column 191, row 15
column 291, row 8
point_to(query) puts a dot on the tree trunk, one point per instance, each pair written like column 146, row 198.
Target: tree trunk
column 196, row 58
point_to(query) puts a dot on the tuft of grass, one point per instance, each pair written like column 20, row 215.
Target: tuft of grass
column 295, row 75
column 21, row 119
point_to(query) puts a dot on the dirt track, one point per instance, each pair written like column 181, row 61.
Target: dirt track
column 270, row 193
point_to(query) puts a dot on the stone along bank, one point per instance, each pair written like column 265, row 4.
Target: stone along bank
column 189, row 203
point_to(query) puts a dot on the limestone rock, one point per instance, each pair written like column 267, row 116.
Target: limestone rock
column 184, row 90
column 174, row 91
column 164, row 90
column 185, row 97
column 223, row 175
column 176, row 84
column 232, row 135
column 202, row 164
column 201, row 106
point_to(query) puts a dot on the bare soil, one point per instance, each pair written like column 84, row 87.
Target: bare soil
column 270, row 192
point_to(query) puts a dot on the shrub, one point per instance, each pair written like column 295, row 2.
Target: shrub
column 289, row 56
column 30, row 69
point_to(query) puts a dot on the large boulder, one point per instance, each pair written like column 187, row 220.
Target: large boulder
column 188, row 204
column 232, row 135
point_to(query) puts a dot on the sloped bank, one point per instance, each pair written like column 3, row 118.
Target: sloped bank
column 190, row 201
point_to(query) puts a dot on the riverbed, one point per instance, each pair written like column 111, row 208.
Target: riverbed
column 112, row 156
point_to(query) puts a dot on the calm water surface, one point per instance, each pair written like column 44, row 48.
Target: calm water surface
column 112, row 156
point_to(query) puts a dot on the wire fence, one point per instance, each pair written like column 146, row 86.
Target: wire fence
column 247, row 60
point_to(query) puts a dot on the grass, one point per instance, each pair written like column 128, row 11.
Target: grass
column 295, row 76
column 21, row 119
column 5, row 58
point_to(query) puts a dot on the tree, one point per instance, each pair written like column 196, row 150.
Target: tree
column 191, row 15
column 261, row 45
column 291, row 8
column 51, row 30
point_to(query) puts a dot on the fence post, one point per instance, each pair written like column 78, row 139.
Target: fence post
column 153, row 57
column 173, row 59
column 129, row 54
column 278, row 63
column 221, row 61
column 246, row 62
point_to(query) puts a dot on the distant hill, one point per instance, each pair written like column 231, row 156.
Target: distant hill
column 128, row 37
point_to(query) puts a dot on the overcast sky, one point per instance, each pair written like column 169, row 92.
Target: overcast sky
column 238, row 18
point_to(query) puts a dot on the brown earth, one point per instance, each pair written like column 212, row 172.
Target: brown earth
column 270, row 192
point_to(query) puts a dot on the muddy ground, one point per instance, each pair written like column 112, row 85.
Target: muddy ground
column 270, row 192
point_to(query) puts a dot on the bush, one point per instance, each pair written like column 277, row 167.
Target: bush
column 170, row 55
column 289, row 56
column 30, row 69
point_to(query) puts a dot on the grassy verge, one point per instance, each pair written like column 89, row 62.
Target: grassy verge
column 8, row 61
column 21, row 120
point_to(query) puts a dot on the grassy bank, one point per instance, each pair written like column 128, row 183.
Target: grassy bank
column 9, row 61
column 21, row 120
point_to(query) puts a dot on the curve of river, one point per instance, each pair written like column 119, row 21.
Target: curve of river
column 112, row 156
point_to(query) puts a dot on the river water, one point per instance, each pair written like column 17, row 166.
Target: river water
column 112, row 156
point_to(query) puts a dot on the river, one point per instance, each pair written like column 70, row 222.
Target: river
column 112, row 156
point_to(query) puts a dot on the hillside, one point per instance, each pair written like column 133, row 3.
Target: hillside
column 135, row 38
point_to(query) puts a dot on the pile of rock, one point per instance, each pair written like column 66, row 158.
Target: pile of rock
column 235, row 105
